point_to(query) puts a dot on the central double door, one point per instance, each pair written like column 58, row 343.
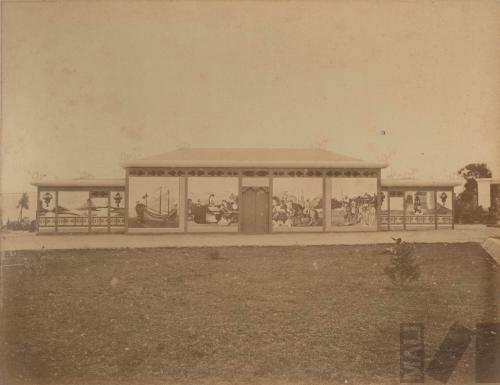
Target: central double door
column 255, row 209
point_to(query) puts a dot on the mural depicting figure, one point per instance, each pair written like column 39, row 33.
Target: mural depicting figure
column 222, row 213
column 354, row 202
column 420, row 209
column 297, row 202
column 444, row 208
column 213, row 204
column 46, row 209
column 117, row 208
column 419, row 202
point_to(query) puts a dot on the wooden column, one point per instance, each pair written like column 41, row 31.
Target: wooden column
column 404, row 210
column 388, row 209
column 126, row 199
column 185, row 197
column 327, row 215
column 240, row 206
column 452, row 208
column 324, row 204
column 378, row 203
column 270, row 202
column 89, row 212
column 435, row 211
column 109, row 211
column 56, row 212
column 37, row 209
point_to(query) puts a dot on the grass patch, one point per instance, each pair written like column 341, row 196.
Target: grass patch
column 308, row 315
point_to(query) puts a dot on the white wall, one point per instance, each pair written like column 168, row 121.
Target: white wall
column 483, row 193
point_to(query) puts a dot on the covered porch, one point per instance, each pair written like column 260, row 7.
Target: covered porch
column 80, row 206
column 417, row 204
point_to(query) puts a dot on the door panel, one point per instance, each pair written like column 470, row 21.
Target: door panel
column 261, row 211
column 248, row 209
column 255, row 207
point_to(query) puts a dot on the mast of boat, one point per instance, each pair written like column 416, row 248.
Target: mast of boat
column 168, row 201
column 160, row 198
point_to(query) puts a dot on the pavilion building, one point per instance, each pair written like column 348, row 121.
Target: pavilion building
column 251, row 191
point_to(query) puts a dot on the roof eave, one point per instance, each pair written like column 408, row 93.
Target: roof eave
column 419, row 183
column 253, row 164
column 61, row 183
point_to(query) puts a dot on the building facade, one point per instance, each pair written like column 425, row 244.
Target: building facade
column 488, row 193
column 252, row 191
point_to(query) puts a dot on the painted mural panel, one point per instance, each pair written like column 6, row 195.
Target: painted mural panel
column 46, row 211
column 444, row 209
column 117, row 210
column 73, row 211
column 353, row 204
column 99, row 211
column 213, row 204
column 420, row 212
column 154, row 202
column 297, row 204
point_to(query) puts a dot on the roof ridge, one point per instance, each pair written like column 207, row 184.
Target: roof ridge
column 252, row 157
column 252, row 148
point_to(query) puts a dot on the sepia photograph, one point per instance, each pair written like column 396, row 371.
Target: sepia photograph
column 249, row 192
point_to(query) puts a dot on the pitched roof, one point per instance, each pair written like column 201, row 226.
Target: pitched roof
column 420, row 183
column 79, row 183
column 251, row 157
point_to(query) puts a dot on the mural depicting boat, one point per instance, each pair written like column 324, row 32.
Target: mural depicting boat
column 165, row 215
column 148, row 214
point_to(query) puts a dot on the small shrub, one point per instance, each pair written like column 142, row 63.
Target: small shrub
column 467, row 214
column 402, row 269
column 214, row 254
column 23, row 225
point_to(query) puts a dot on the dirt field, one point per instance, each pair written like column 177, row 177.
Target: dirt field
column 264, row 315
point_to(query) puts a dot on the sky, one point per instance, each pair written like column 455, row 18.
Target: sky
column 88, row 85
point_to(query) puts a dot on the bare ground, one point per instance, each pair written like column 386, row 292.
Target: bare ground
column 301, row 315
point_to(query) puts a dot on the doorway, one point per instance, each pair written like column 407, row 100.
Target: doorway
column 255, row 209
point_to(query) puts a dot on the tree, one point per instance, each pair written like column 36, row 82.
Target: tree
column 470, row 173
column 475, row 170
column 403, row 268
column 23, row 203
